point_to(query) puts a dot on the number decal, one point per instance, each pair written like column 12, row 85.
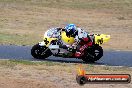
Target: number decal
column 100, row 41
column 46, row 42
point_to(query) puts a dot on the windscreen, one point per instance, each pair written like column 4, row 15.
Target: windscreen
column 52, row 33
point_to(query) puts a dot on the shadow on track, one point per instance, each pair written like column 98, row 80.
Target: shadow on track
column 67, row 60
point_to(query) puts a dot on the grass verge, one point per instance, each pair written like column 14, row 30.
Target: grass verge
column 88, row 67
column 55, row 74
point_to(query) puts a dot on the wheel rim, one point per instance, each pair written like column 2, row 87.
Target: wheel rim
column 40, row 51
column 96, row 53
column 93, row 54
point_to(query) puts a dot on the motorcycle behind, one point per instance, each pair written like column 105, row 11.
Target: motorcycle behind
column 52, row 45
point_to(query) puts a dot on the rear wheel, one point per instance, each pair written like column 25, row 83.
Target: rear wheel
column 40, row 52
column 93, row 54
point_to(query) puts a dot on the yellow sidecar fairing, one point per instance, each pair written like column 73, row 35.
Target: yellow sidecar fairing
column 101, row 38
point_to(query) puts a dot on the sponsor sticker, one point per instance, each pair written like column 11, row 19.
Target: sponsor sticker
column 83, row 78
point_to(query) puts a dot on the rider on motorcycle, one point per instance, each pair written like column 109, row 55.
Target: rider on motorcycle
column 79, row 36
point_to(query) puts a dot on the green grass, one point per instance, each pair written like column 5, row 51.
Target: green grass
column 90, row 68
column 18, row 39
column 12, row 63
column 7, row 64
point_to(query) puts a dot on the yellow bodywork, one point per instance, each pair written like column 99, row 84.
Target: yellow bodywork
column 64, row 38
column 101, row 38
column 67, row 40
column 48, row 40
column 98, row 39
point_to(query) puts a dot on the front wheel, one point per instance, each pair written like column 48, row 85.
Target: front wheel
column 40, row 52
column 93, row 54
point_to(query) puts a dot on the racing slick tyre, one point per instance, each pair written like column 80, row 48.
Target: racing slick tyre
column 40, row 52
column 93, row 54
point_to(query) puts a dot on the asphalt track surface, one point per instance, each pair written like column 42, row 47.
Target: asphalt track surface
column 110, row 58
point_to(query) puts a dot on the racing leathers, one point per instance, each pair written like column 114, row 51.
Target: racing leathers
column 82, row 38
